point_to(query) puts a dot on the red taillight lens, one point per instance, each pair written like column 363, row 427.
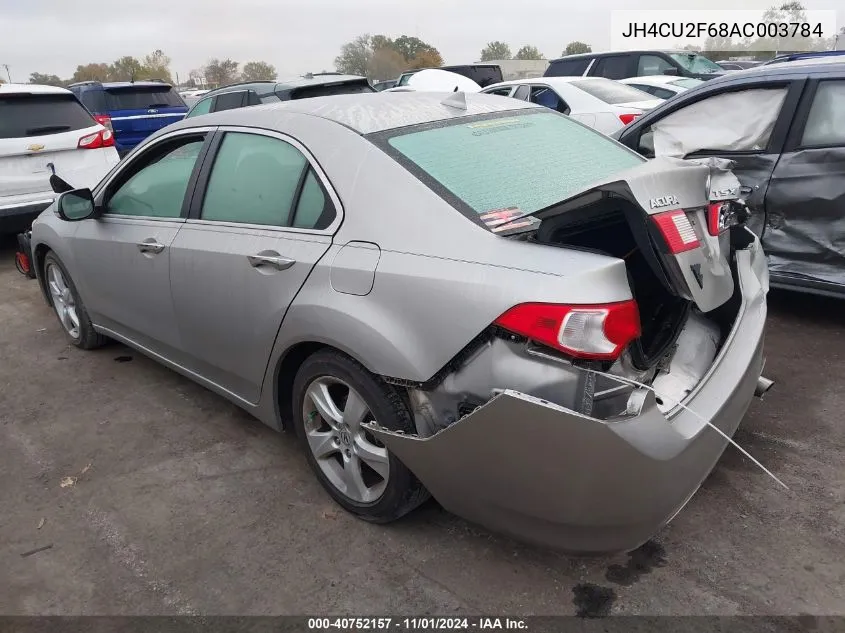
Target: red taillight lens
column 719, row 217
column 104, row 120
column 103, row 138
column 628, row 118
column 677, row 230
column 598, row 332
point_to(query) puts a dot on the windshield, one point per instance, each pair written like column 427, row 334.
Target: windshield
column 521, row 162
column 696, row 63
column 611, row 92
column 686, row 82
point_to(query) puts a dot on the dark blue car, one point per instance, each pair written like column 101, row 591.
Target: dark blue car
column 133, row 110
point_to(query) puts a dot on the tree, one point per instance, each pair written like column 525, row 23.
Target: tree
column 385, row 63
column 354, row 58
column 495, row 50
column 221, row 72
column 529, row 52
column 126, row 68
column 258, row 71
column 426, row 59
column 381, row 41
column 576, row 47
column 91, row 72
column 46, row 80
column 412, row 47
column 156, row 65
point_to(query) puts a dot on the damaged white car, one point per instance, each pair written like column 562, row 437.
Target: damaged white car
column 546, row 332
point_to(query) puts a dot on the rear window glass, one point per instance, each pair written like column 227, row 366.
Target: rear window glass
column 326, row 90
column 526, row 161
column 611, row 91
column 568, row 67
column 142, row 98
column 39, row 115
column 687, row 82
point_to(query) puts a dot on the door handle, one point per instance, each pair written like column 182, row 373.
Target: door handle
column 150, row 246
column 276, row 261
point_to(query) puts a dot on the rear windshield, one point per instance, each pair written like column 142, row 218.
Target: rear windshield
column 39, row 115
column 327, row 90
column 482, row 75
column 687, row 82
column 524, row 161
column 142, row 98
column 611, row 92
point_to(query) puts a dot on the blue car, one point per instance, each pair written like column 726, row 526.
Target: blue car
column 132, row 110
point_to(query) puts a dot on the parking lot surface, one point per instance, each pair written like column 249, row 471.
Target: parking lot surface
column 151, row 495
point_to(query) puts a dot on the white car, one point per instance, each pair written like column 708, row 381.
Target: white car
column 45, row 130
column 602, row 104
column 662, row 86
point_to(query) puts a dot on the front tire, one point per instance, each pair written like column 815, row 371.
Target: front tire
column 68, row 305
column 332, row 397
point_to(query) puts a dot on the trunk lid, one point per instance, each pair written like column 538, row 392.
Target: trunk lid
column 700, row 270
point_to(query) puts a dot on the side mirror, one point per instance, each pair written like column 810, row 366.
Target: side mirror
column 670, row 71
column 76, row 205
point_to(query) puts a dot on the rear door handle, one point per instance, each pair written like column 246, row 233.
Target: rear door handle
column 150, row 246
column 274, row 260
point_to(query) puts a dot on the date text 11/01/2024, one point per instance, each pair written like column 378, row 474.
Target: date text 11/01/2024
column 416, row 624
column 722, row 29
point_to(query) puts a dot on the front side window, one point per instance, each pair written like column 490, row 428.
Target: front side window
column 613, row 67
column 826, row 121
column 158, row 188
column 502, row 92
column 254, row 180
column 229, row 100
column 526, row 161
column 652, row 65
column 737, row 121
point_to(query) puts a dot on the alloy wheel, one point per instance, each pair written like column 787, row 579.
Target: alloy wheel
column 351, row 458
column 63, row 300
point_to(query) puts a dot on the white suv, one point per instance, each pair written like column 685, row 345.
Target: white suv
column 44, row 130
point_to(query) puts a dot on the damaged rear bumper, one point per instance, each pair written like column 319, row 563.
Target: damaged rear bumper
column 549, row 475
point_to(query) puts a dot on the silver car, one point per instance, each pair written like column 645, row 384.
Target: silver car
column 457, row 295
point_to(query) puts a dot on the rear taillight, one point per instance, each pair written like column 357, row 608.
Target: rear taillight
column 677, row 230
column 598, row 332
column 628, row 117
column 102, row 138
column 720, row 217
column 104, row 120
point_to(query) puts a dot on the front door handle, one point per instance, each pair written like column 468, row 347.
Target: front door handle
column 150, row 246
column 270, row 259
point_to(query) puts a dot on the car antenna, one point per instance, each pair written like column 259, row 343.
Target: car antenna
column 456, row 100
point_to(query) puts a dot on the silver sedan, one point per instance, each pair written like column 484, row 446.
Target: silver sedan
column 458, row 295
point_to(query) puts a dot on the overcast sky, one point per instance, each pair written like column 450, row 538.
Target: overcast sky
column 54, row 36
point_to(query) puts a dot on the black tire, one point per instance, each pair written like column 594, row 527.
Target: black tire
column 87, row 338
column 403, row 491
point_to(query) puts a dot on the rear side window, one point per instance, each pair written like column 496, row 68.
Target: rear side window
column 39, row 115
column 256, row 180
column 142, row 98
column 523, row 161
column 614, row 67
column 548, row 98
column 568, row 67
column 229, row 100
column 826, row 121
column 611, row 92
column 326, row 90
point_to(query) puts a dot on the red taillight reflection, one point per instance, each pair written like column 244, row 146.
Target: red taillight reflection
column 629, row 117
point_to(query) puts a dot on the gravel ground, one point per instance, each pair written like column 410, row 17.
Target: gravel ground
column 152, row 495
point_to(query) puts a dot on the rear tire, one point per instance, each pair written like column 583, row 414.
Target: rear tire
column 68, row 306
column 332, row 396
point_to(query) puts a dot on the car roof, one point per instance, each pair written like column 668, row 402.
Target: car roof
column 267, row 86
column 607, row 53
column 364, row 113
column 33, row 89
column 550, row 81
column 781, row 69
